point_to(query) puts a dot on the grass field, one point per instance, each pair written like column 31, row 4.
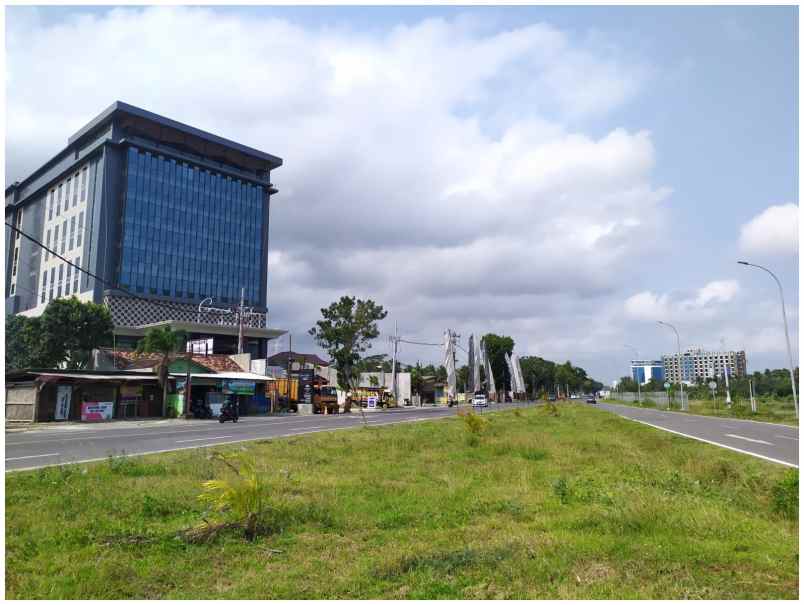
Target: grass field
column 580, row 505
column 769, row 409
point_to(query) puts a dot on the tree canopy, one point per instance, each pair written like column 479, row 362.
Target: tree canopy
column 346, row 330
column 496, row 348
column 65, row 335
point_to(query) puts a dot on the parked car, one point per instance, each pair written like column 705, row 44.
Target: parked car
column 551, row 398
column 591, row 399
column 479, row 400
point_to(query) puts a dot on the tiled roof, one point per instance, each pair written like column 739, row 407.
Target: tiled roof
column 281, row 359
column 129, row 360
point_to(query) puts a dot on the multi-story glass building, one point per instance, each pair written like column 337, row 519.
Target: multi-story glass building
column 642, row 371
column 166, row 215
column 697, row 365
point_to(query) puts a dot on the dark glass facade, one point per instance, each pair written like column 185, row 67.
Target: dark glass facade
column 189, row 233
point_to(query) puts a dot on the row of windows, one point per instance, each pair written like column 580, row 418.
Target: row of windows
column 66, row 241
column 190, row 233
column 62, row 283
column 15, row 261
column 60, row 196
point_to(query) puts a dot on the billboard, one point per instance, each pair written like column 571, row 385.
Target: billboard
column 306, row 378
column 96, row 411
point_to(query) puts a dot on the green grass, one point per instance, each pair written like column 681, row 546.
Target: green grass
column 581, row 505
column 768, row 409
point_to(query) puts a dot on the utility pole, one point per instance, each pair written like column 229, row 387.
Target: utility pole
column 240, row 321
column 393, row 364
column 726, row 373
column 680, row 366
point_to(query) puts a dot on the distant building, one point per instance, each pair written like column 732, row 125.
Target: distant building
column 698, row 365
column 642, row 371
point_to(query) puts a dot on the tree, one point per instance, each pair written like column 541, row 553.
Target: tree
column 496, row 348
column 168, row 343
column 346, row 330
column 64, row 336
column 462, row 378
column 72, row 329
column 24, row 344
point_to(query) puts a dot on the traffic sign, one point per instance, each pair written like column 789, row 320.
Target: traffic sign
column 667, row 385
column 712, row 385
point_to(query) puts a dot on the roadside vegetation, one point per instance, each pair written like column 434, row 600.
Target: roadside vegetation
column 769, row 408
column 519, row 504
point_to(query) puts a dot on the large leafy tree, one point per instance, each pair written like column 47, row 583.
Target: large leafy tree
column 72, row 329
column 496, row 348
column 64, row 335
column 167, row 343
column 346, row 330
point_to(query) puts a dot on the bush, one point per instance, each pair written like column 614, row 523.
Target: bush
column 785, row 495
column 241, row 501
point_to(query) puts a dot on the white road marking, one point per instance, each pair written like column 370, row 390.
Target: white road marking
column 783, row 437
column 728, row 447
column 204, row 439
column 748, row 439
column 36, row 456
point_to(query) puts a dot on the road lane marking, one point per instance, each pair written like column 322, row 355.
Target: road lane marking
column 784, row 437
column 36, row 456
column 204, row 439
column 728, row 447
column 748, row 439
column 203, row 445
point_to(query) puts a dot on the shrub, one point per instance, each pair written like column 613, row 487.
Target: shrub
column 785, row 495
column 240, row 501
column 474, row 424
column 561, row 489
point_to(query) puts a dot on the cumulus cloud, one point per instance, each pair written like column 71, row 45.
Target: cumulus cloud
column 444, row 169
column 773, row 232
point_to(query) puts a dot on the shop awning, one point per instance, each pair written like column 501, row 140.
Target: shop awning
column 227, row 376
column 91, row 377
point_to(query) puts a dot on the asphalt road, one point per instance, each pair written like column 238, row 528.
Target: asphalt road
column 775, row 442
column 62, row 445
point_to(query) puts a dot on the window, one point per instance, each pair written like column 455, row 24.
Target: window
column 67, row 281
column 67, row 194
column 56, row 238
column 63, row 236
column 59, row 199
column 59, row 284
column 72, row 232
column 80, row 229
column 18, row 225
column 51, row 202
column 16, row 260
column 52, row 282
column 47, row 244
column 75, row 190
column 44, row 287
column 84, row 173
column 76, row 273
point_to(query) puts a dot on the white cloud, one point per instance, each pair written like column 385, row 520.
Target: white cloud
column 773, row 232
column 440, row 168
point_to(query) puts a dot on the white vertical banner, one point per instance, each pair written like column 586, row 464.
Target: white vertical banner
column 64, row 397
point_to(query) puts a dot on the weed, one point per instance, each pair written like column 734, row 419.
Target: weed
column 129, row 467
column 561, row 488
column 785, row 495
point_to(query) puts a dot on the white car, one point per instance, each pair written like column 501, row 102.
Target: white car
column 479, row 401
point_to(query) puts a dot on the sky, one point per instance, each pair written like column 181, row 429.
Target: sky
column 566, row 176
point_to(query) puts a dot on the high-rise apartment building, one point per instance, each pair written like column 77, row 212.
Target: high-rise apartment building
column 643, row 370
column 172, row 219
column 698, row 364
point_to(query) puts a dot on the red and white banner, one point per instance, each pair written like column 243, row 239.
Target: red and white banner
column 95, row 411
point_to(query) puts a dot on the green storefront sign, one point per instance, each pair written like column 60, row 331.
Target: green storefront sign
column 238, row 387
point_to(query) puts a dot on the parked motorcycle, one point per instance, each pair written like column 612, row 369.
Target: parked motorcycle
column 229, row 412
column 201, row 409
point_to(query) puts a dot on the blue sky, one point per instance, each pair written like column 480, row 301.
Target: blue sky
column 714, row 89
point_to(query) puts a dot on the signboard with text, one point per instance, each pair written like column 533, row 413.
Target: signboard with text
column 97, row 411
column 239, row 387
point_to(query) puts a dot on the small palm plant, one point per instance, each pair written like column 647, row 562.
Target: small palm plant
column 242, row 500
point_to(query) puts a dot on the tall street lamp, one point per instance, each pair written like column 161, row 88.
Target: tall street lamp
column 639, row 382
column 680, row 369
column 786, row 333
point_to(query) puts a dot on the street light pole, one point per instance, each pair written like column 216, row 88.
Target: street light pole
column 680, row 369
column 639, row 382
column 786, row 333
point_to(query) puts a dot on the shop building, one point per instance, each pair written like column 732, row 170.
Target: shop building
column 172, row 219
